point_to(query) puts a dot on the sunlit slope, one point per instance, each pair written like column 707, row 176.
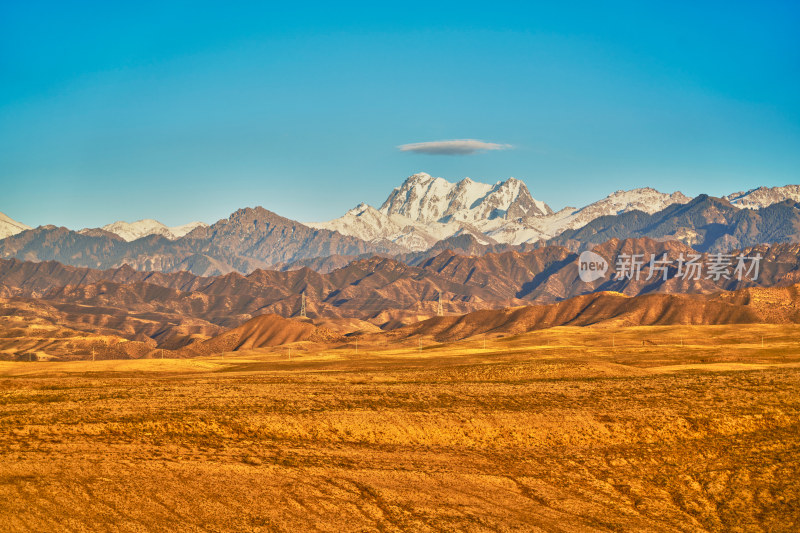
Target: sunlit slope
column 260, row 332
column 747, row 306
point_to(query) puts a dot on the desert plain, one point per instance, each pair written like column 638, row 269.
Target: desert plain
column 660, row 428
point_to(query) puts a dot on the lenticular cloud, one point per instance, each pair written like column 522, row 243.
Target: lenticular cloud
column 452, row 147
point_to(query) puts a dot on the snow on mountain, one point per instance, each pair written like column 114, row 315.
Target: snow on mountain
column 364, row 222
column 532, row 229
column 130, row 231
column 371, row 225
column 423, row 198
column 9, row 226
column 764, row 196
column 180, row 231
column 645, row 199
column 424, row 210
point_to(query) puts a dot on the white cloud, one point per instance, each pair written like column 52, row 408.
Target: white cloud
column 453, row 147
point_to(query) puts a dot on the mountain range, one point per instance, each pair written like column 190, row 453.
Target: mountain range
column 247, row 240
column 419, row 219
column 424, row 210
column 706, row 223
column 776, row 305
column 109, row 322
column 171, row 310
column 501, row 260
column 130, row 231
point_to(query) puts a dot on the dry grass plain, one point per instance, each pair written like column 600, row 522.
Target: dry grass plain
column 697, row 429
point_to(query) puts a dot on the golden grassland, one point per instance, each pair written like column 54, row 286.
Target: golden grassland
column 673, row 428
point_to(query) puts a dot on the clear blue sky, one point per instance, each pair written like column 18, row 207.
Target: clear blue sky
column 188, row 111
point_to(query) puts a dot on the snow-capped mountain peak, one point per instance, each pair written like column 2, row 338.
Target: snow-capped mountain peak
column 371, row 225
column 9, row 226
column 364, row 222
column 531, row 229
column 130, row 231
column 426, row 209
column 185, row 229
column 764, row 196
column 644, row 199
column 425, row 199
column 360, row 209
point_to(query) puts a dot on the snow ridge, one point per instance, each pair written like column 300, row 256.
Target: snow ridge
column 423, row 198
column 130, row 231
column 9, row 226
column 425, row 209
column 764, row 196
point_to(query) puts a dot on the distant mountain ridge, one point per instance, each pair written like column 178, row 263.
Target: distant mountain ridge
column 706, row 223
column 130, row 231
column 426, row 209
column 249, row 239
column 764, row 196
column 420, row 218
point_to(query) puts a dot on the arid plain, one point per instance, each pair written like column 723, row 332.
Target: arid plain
column 662, row 428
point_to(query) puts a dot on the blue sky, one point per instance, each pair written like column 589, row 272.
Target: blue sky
column 188, row 111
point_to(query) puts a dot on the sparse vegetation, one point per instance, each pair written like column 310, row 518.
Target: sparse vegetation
column 554, row 429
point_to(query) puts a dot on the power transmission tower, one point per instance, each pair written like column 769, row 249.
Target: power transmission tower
column 439, row 308
column 303, row 304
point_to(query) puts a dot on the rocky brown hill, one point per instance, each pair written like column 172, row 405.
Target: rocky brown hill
column 261, row 332
column 774, row 305
column 177, row 308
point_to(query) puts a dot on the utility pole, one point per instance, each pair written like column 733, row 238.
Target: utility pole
column 303, row 304
column 356, row 345
column 439, row 308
